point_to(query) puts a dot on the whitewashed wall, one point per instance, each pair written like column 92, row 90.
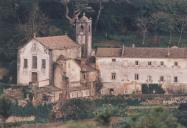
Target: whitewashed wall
column 33, row 48
column 125, row 69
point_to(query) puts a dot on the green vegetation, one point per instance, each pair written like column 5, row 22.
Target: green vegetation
column 155, row 118
column 76, row 109
column 104, row 114
column 5, row 104
column 145, row 22
column 182, row 114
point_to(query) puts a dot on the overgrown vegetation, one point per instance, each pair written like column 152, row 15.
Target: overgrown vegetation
column 144, row 20
column 84, row 109
column 155, row 118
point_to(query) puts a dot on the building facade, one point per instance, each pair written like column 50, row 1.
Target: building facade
column 125, row 70
column 59, row 62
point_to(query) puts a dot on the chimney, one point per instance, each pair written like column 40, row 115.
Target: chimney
column 123, row 51
column 133, row 45
column 168, row 51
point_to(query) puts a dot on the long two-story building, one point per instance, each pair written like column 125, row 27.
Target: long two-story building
column 124, row 70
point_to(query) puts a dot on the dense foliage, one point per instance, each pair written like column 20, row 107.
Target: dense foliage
column 10, row 108
column 83, row 108
column 19, row 19
column 155, row 118
column 182, row 114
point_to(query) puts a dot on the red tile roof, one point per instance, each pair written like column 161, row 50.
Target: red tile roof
column 142, row 52
column 57, row 42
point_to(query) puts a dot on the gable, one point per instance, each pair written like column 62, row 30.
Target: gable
column 33, row 47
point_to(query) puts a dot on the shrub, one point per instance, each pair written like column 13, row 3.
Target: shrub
column 78, row 109
column 104, row 114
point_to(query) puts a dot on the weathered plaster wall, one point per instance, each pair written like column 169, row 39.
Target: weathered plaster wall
column 33, row 48
column 125, row 69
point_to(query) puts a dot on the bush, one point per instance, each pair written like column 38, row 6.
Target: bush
column 78, row 109
column 40, row 112
column 5, row 105
column 104, row 114
column 182, row 114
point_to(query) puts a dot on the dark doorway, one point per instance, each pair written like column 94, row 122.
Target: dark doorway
column 111, row 91
column 34, row 77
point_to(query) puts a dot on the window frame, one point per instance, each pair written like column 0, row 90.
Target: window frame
column 161, row 78
column 43, row 63
column 136, row 76
column 176, row 79
column 34, row 62
column 114, row 60
column 25, row 63
column 176, row 63
column 149, row 63
column 113, row 76
column 136, row 62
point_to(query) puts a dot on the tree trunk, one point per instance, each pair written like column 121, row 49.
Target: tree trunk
column 170, row 37
column 98, row 15
column 180, row 37
column 144, row 36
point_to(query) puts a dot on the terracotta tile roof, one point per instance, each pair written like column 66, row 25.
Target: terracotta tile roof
column 142, row 52
column 108, row 52
column 57, row 42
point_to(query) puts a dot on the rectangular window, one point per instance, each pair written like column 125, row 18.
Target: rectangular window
column 161, row 78
column 149, row 63
column 34, row 62
column 25, row 63
column 113, row 76
column 176, row 63
column 136, row 77
column 113, row 60
column 176, row 79
column 43, row 63
column 161, row 63
column 84, row 76
column 136, row 63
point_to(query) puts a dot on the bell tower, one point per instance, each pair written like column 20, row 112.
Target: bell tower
column 84, row 35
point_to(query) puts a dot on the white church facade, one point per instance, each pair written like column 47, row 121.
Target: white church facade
column 60, row 62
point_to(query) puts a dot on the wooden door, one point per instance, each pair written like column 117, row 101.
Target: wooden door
column 34, row 77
